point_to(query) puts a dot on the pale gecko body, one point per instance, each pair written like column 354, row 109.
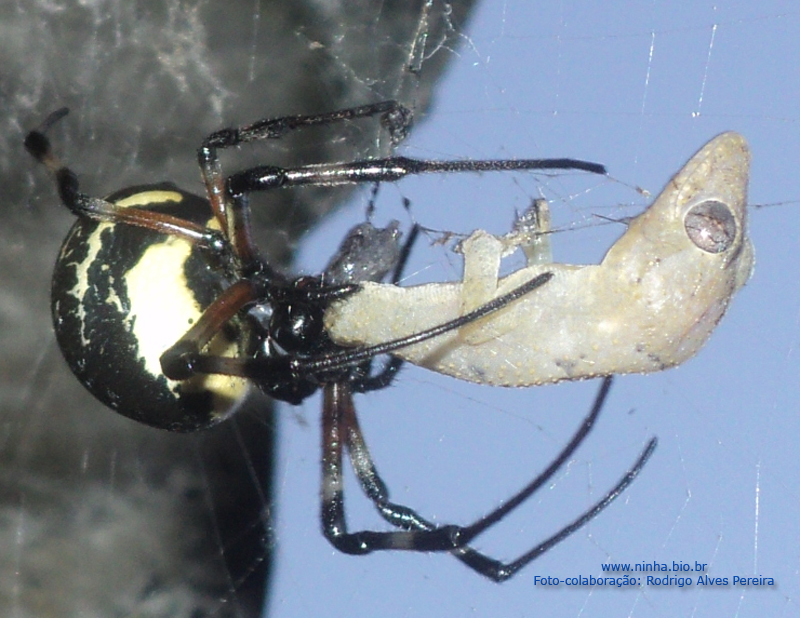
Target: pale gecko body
column 650, row 304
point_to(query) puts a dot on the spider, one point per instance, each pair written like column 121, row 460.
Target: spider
column 165, row 311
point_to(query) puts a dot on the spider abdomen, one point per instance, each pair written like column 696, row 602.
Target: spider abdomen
column 122, row 295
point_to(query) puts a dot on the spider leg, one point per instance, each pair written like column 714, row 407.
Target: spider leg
column 364, row 381
column 467, row 533
column 395, row 117
column 227, row 195
column 351, row 357
column 185, row 360
column 233, row 217
column 232, row 201
column 337, row 415
column 340, row 427
column 397, row 515
column 293, row 378
column 405, row 252
column 39, row 147
column 177, row 361
column 389, row 169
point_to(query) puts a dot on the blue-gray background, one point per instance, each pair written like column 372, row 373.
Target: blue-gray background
column 639, row 87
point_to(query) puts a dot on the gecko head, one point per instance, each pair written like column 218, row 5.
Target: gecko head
column 699, row 221
column 711, row 200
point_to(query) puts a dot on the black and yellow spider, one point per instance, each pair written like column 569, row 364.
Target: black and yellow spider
column 166, row 312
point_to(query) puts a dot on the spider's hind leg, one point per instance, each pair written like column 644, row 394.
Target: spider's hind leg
column 340, row 427
column 85, row 206
column 340, row 430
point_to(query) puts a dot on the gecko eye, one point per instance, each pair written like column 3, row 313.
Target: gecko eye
column 711, row 226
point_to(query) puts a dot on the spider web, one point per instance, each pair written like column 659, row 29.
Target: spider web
column 640, row 88
column 636, row 87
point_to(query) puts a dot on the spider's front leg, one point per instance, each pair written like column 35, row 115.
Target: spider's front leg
column 394, row 117
column 229, row 197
